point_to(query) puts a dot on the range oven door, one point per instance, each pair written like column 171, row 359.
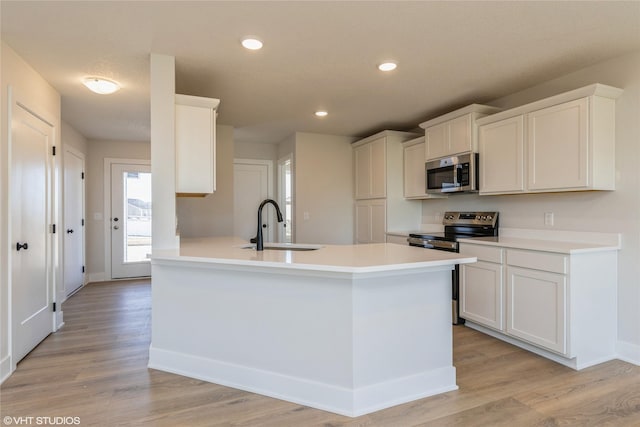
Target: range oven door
column 452, row 174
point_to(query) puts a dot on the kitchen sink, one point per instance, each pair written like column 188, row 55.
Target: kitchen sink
column 284, row 247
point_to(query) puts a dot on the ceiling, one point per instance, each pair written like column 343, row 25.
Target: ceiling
column 316, row 55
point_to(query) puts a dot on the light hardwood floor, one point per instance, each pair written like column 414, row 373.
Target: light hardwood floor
column 95, row 368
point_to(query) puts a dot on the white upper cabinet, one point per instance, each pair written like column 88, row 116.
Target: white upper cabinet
column 414, row 173
column 501, row 162
column 558, row 142
column 562, row 143
column 455, row 132
column 371, row 170
column 195, row 139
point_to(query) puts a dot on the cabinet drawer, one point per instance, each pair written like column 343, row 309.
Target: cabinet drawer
column 554, row 263
column 483, row 253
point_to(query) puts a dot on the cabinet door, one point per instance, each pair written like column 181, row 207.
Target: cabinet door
column 362, row 160
column 195, row 149
column 437, row 141
column 371, row 221
column 414, row 182
column 558, row 147
column 378, row 168
column 536, row 307
column 481, row 294
column 460, row 134
column 501, row 155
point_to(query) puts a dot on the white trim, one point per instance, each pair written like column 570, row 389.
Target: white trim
column 351, row 402
column 108, row 161
column 628, row 352
column 5, row 368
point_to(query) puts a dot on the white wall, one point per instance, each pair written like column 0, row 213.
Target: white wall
column 30, row 89
column 71, row 138
column 323, row 188
column 95, row 216
column 212, row 215
column 256, row 150
column 617, row 211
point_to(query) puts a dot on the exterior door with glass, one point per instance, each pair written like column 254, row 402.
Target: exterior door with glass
column 130, row 220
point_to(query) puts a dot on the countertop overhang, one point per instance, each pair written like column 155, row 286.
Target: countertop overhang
column 356, row 260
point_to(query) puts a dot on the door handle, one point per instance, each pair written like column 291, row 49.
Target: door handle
column 69, row 231
column 264, row 225
column 24, row 246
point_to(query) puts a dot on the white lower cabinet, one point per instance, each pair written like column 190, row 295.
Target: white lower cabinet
column 559, row 305
column 482, row 287
column 537, row 310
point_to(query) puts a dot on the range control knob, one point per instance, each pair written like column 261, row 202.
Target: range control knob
column 477, row 217
column 489, row 217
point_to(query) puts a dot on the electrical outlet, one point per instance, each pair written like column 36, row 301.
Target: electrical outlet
column 548, row 219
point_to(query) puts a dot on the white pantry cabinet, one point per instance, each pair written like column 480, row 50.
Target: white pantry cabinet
column 414, row 173
column 371, row 221
column 562, row 143
column 559, row 302
column 195, row 140
column 378, row 174
column 455, row 132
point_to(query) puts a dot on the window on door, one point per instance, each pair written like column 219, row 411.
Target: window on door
column 137, row 196
column 285, row 196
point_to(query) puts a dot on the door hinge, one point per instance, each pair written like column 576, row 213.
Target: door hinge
column 54, row 306
column 82, row 175
column 53, row 228
column 54, row 150
column 83, row 222
column 83, row 268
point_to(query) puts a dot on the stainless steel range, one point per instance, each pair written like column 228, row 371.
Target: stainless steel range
column 457, row 225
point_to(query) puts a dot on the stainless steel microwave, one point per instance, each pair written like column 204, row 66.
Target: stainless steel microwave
column 452, row 174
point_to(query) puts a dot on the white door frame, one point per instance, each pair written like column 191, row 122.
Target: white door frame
column 81, row 155
column 281, row 191
column 269, row 165
column 108, row 161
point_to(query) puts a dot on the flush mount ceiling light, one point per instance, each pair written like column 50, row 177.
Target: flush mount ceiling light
column 321, row 113
column 251, row 43
column 100, row 85
column 388, row 66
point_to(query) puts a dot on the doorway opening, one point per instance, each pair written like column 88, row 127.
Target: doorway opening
column 128, row 219
column 285, row 197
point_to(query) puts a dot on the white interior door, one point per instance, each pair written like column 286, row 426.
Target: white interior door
column 31, row 189
column 251, row 185
column 73, row 230
column 130, row 220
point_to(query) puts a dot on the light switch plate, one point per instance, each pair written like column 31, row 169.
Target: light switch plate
column 548, row 219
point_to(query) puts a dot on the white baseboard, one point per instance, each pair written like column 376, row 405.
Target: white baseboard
column 97, row 277
column 328, row 397
column 628, row 352
column 5, row 368
column 59, row 319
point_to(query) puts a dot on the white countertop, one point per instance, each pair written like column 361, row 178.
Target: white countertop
column 371, row 258
column 557, row 246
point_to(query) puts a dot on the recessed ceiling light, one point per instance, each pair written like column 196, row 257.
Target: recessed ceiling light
column 100, row 85
column 251, row 43
column 321, row 113
column 388, row 66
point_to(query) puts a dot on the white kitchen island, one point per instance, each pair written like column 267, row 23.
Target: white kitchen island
column 347, row 329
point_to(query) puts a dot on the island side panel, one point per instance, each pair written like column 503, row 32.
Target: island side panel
column 403, row 343
column 282, row 335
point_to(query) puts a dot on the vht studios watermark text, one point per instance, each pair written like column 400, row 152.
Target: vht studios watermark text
column 40, row 421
